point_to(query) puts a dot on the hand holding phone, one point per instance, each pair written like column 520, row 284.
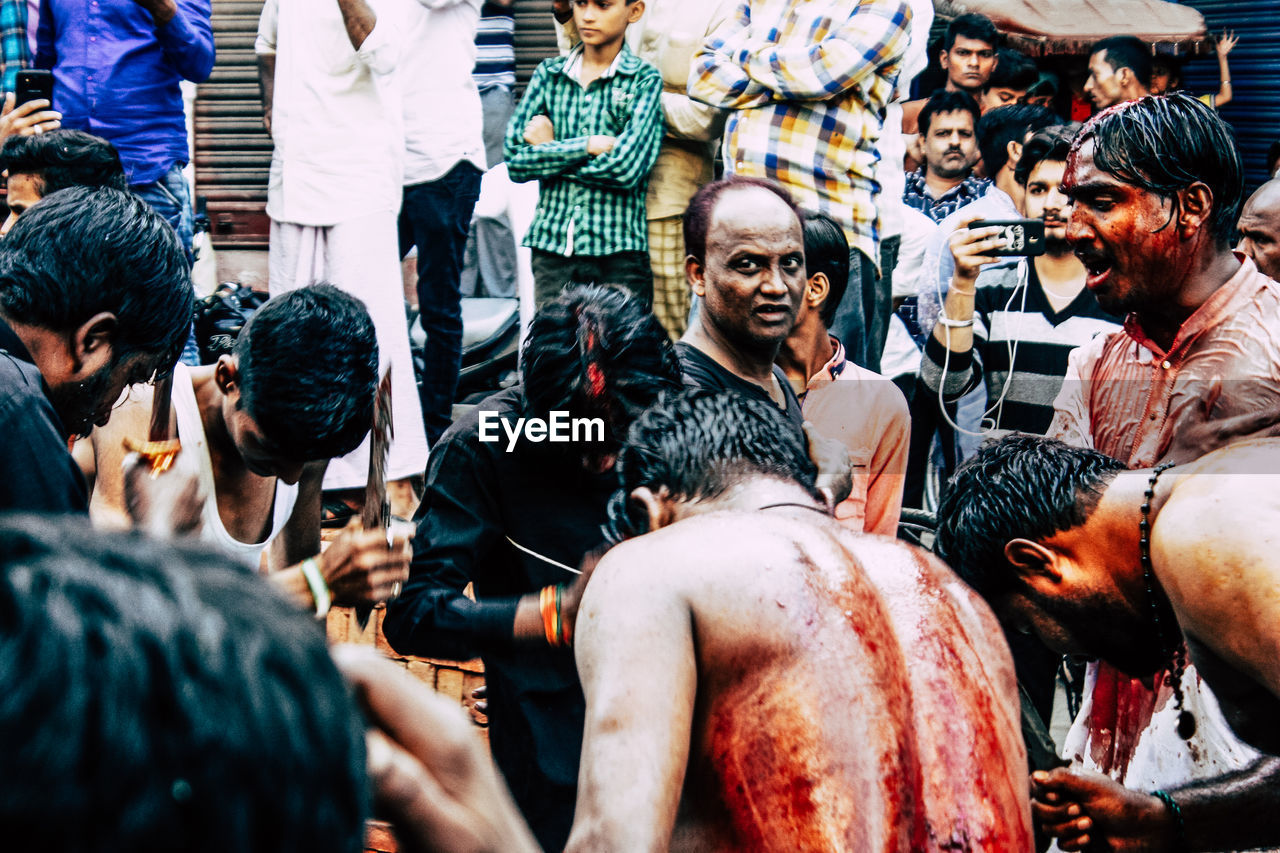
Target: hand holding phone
column 1019, row 237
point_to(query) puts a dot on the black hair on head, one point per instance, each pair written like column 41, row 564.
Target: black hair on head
column 160, row 696
column 64, row 158
column 697, row 446
column 308, row 362
column 1166, row 143
column 1011, row 123
column 1023, row 487
column 972, row 26
column 826, row 251
column 597, row 352
column 1127, row 52
column 697, row 216
column 1050, row 143
column 83, row 251
column 947, row 101
column 1013, row 70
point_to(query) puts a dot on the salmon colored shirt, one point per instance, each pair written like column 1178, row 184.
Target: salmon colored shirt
column 1126, row 397
column 867, row 414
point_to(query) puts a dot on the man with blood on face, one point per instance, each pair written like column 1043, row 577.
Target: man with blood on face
column 1156, row 186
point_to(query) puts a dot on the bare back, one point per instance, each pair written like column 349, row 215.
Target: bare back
column 748, row 688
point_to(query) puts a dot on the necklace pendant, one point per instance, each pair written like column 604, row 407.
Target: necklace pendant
column 1186, row 725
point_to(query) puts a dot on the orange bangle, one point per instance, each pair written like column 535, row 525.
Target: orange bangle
column 547, row 607
column 566, row 630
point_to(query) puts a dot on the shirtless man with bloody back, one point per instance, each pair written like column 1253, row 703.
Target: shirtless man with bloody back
column 759, row 678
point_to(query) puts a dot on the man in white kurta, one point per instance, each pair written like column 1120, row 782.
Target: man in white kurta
column 332, row 105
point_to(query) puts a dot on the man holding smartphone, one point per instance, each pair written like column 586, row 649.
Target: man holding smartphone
column 127, row 91
column 1013, row 324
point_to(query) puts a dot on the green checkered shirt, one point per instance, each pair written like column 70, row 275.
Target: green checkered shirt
column 597, row 202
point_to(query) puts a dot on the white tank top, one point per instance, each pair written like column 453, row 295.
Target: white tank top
column 195, row 457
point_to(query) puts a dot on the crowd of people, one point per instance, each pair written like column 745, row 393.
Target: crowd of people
column 1034, row 302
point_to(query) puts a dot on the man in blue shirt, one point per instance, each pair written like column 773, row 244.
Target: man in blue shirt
column 117, row 66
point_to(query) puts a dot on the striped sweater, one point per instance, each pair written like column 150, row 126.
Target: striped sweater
column 1012, row 313
column 495, row 48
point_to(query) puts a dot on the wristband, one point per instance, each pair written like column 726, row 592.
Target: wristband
column 944, row 320
column 565, row 631
column 549, row 609
column 1179, row 824
column 319, row 589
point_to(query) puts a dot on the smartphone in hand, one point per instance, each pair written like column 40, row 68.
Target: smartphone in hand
column 33, row 84
column 1021, row 236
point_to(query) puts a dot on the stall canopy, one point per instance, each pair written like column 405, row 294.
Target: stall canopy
column 1070, row 27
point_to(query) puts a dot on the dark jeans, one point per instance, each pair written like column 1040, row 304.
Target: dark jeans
column 551, row 272
column 435, row 217
column 850, row 323
column 877, row 302
column 170, row 197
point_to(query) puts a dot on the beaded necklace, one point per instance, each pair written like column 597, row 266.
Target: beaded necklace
column 1177, row 651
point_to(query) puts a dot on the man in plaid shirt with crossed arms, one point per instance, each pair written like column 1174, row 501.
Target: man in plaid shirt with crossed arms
column 809, row 81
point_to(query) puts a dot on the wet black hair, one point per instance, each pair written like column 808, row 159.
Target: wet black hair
column 1013, row 70
column 696, row 445
column 826, row 251
column 697, row 216
column 161, row 696
column 64, row 158
column 1022, row 487
column 972, row 26
column 1166, row 143
column 947, row 101
column 308, row 363
column 1127, row 52
column 1010, row 123
column 1050, row 143
column 597, row 352
column 83, row 251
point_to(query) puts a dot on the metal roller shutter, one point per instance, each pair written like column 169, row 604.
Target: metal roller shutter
column 232, row 150
column 1254, row 111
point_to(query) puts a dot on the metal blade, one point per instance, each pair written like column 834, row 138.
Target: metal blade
column 377, row 508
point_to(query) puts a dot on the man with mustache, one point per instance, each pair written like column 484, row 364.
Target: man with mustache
column 946, row 181
column 95, row 295
column 1156, row 185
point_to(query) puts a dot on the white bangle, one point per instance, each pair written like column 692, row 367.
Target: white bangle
column 944, row 320
column 319, row 589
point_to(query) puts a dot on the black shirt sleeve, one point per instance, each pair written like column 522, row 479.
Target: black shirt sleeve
column 457, row 527
column 37, row 472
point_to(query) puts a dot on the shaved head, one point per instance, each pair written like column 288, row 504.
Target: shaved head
column 1259, row 228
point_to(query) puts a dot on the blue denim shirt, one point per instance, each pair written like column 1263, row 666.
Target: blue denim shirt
column 116, row 74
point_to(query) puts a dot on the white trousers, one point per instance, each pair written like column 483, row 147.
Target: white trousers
column 362, row 257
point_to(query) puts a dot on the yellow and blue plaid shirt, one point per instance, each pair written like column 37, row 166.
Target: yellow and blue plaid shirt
column 589, row 205
column 808, row 81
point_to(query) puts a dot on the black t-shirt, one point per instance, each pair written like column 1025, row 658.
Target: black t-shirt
column 703, row 372
column 37, row 473
column 479, row 498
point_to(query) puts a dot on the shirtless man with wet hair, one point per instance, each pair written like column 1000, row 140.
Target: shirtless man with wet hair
column 759, row 678
column 1052, row 535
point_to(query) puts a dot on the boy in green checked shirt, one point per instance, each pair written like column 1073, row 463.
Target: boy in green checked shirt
column 588, row 127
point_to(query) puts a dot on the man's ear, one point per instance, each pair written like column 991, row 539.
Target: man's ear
column 1014, row 152
column 695, row 272
column 1035, row 565
column 226, row 374
column 815, row 292
column 944, row 60
column 91, row 344
column 657, row 506
column 635, row 12
column 1195, row 208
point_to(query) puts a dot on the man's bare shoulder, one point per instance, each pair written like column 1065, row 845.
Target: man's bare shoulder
column 131, row 416
column 1214, row 495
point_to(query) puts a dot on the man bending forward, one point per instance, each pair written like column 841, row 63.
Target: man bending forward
column 758, row 678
